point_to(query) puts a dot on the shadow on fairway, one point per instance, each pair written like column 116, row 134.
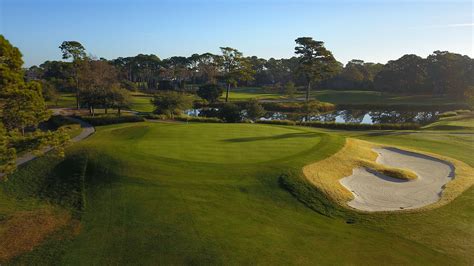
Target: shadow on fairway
column 282, row 136
column 447, row 127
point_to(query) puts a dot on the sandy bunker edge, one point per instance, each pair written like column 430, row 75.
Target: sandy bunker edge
column 374, row 191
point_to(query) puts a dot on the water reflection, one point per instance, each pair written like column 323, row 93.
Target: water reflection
column 362, row 117
column 343, row 116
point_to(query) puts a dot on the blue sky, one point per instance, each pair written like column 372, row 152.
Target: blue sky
column 374, row 31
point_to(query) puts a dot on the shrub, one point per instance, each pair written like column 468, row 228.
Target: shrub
column 209, row 112
column 230, row 113
column 198, row 119
column 210, row 92
column 254, row 109
column 185, row 118
column 155, row 117
column 290, row 89
column 57, row 121
column 171, row 103
column 277, row 122
column 109, row 120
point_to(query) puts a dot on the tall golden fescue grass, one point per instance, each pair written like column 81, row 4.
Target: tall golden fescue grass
column 25, row 230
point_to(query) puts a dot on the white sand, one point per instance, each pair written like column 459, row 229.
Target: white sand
column 376, row 192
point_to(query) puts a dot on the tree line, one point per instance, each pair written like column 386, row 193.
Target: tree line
column 441, row 73
column 22, row 109
column 106, row 84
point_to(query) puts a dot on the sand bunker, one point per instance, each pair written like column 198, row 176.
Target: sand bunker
column 376, row 192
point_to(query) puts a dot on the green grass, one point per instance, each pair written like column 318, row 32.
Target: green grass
column 461, row 122
column 162, row 193
column 344, row 97
column 247, row 93
column 139, row 102
column 378, row 98
column 142, row 103
column 65, row 100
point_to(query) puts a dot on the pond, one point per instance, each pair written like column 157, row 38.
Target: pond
column 349, row 116
column 361, row 117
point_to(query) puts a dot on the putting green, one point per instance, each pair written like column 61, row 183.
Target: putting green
column 217, row 143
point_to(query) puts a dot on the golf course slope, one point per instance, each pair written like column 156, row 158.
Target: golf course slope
column 200, row 193
column 381, row 178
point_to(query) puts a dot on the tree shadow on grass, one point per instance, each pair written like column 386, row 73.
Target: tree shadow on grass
column 386, row 133
column 448, row 127
column 281, row 136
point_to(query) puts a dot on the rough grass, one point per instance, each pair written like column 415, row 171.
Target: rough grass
column 394, row 172
column 142, row 103
column 25, row 230
column 247, row 93
column 39, row 200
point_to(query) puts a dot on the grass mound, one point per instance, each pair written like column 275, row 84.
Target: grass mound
column 399, row 173
column 230, row 144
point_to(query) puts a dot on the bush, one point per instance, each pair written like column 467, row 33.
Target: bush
column 209, row 112
column 345, row 126
column 109, row 120
column 254, row 110
column 290, row 89
column 171, row 103
column 277, row 122
column 185, row 118
column 57, row 121
column 210, row 92
column 198, row 119
column 155, row 117
column 230, row 113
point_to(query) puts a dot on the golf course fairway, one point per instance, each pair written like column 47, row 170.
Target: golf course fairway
column 197, row 193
